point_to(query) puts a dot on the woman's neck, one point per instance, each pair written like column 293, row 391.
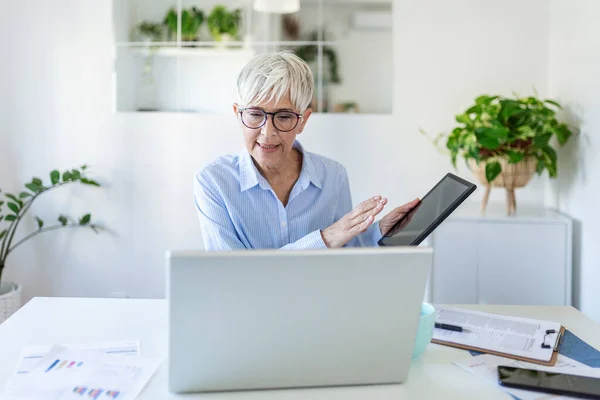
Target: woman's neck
column 290, row 171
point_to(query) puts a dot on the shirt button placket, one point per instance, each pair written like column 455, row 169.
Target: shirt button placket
column 284, row 225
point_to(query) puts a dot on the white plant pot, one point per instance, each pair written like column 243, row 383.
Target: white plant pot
column 221, row 42
column 10, row 299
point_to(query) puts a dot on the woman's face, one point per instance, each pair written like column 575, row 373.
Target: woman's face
column 269, row 146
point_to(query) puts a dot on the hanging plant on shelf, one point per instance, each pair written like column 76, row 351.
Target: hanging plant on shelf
column 310, row 53
column 149, row 32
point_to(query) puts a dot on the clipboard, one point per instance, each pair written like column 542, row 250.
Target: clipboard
column 550, row 363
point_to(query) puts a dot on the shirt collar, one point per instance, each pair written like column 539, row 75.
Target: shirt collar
column 308, row 173
column 250, row 176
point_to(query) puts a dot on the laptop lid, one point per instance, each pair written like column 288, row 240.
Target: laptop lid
column 263, row 319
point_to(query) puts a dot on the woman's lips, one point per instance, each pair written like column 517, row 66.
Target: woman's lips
column 268, row 148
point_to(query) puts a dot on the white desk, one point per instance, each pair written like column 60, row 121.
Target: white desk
column 46, row 321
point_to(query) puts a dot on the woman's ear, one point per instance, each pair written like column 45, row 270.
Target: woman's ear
column 236, row 107
column 305, row 115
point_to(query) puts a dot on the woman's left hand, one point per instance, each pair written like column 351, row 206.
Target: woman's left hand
column 386, row 223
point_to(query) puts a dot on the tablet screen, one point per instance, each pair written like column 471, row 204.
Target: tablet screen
column 434, row 207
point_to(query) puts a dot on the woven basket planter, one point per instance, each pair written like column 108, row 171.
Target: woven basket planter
column 10, row 299
column 513, row 176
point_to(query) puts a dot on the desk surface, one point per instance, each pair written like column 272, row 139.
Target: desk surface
column 46, row 321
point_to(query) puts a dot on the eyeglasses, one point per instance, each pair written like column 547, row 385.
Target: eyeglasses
column 284, row 121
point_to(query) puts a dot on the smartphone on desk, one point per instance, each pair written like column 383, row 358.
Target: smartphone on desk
column 549, row 382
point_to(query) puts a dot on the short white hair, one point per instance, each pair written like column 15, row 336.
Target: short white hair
column 272, row 76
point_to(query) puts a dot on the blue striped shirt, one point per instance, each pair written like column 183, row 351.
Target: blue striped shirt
column 238, row 209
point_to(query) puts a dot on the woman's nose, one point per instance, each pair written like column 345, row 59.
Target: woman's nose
column 268, row 128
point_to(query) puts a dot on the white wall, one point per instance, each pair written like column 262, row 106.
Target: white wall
column 57, row 112
column 574, row 80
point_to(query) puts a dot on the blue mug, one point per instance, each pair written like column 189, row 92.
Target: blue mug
column 425, row 329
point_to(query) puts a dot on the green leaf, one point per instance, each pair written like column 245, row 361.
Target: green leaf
column 12, row 197
column 13, row 207
column 515, row 156
column 549, row 157
column 562, row 134
column 10, row 217
column 500, row 133
column 63, row 220
column 453, row 159
column 463, row 118
column 525, row 131
column 554, row 103
column 34, row 188
column 3, row 233
column 476, row 109
column 485, row 99
column 75, row 174
column 66, row 176
column 84, row 167
column 489, row 143
column 37, row 181
column 550, row 152
column 1, row 203
column 492, row 170
column 89, row 182
column 509, row 109
column 23, row 195
column 542, row 140
column 85, row 219
column 39, row 222
column 55, row 177
column 1, row 218
column 540, row 166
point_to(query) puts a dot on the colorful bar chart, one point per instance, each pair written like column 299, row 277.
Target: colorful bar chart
column 96, row 393
column 52, row 366
column 59, row 364
column 80, row 390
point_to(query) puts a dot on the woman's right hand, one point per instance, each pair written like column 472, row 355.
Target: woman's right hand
column 354, row 223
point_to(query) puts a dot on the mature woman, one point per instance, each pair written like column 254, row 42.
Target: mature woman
column 274, row 193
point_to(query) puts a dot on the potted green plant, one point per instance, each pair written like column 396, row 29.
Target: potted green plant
column 191, row 21
column 223, row 24
column 505, row 141
column 13, row 209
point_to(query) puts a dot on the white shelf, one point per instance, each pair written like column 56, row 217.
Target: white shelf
column 349, row 2
column 192, row 51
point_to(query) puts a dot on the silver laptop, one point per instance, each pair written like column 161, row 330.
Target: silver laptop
column 264, row 319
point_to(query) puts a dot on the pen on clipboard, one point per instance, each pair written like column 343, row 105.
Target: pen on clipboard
column 449, row 327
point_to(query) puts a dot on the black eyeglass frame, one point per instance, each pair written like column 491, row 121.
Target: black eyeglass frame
column 266, row 116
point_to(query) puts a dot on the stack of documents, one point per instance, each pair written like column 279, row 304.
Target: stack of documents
column 510, row 341
column 523, row 339
column 486, row 367
column 101, row 371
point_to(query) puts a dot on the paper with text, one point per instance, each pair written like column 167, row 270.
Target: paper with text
column 30, row 356
column 486, row 367
column 510, row 335
column 64, row 374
